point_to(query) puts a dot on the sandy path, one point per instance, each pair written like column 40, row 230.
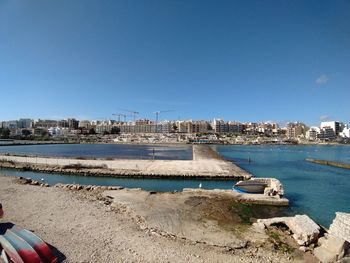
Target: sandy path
column 86, row 230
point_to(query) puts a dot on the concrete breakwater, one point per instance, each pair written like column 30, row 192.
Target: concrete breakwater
column 206, row 164
column 329, row 163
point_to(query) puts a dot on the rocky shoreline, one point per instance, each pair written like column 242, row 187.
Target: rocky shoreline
column 192, row 226
column 103, row 224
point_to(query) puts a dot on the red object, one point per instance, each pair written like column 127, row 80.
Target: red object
column 22, row 246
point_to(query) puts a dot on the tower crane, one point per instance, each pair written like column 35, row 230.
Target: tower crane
column 159, row 112
column 120, row 115
column 133, row 112
column 157, row 116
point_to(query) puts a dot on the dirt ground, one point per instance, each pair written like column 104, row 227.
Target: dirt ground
column 84, row 227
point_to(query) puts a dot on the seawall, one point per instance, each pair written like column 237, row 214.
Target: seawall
column 329, row 163
column 206, row 164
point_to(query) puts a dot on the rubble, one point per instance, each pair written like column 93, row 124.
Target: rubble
column 305, row 230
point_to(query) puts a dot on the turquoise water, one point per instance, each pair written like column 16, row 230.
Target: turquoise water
column 123, row 151
column 314, row 189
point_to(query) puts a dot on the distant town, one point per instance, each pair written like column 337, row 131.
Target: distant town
column 180, row 131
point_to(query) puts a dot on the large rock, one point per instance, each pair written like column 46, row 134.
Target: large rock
column 332, row 249
column 305, row 230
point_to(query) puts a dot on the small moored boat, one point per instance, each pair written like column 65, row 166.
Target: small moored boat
column 251, row 186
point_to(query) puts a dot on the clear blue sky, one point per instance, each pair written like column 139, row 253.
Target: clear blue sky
column 238, row 60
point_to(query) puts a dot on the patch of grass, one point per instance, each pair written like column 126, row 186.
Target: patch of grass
column 274, row 235
column 244, row 211
column 278, row 244
column 249, row 212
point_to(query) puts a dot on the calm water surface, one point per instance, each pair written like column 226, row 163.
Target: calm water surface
column 123, row 151
column 316, row 190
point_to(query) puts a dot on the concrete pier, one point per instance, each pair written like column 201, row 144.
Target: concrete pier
column 206, row 164
column 329, row 163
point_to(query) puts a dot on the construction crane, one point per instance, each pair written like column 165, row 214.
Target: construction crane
column 159, row 112
column 120, row 115
column 133, row 112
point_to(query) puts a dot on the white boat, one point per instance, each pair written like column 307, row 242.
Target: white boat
column 251, row 186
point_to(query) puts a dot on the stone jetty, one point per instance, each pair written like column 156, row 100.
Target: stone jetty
column 329, row 163
column 206, row 164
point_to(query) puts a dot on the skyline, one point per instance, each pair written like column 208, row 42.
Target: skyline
column 129, row 120
column 278, row 61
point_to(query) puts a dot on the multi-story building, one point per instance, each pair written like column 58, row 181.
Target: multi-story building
column 235, row 127
column 11, row 125
column 335, row 125
column 63, row 124
column 220, row 126
column 73, row 124
column 144, row 122
column 184, row 126
column 165, row 127
column 312, row 133
column 58, row 132
column 25, row 123
column 251, row 128
column 295, row 130
column 326, row 133
column 104, row 127
column 45, row 123
column 268, row 128
column 200, row 127
column 85, row 124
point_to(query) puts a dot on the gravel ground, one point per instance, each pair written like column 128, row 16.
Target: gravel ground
column 84, row 229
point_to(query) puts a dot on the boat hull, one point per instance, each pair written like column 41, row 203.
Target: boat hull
column 253, row 187
column 22, row 246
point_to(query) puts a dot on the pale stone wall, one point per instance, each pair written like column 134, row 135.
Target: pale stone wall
column 340, row 226
column 274, row 186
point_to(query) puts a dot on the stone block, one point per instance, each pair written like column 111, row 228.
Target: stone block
column 336, row 245
column 305, row 230
column 324, row 255
column 332, row 249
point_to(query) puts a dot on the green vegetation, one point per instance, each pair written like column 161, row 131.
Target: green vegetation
column 4, row 133
column 244, row 211
column 278, row 244
column 248, row 213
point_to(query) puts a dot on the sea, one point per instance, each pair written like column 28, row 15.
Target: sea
column 316, row 190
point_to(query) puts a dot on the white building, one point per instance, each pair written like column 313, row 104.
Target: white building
column 25, row 123
column 312, row 133
column 335, row 125
column 57, row 131
column 346, row 132
column 220, row 126
column 326, row 133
